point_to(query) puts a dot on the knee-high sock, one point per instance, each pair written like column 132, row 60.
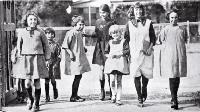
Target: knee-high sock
column 144, row 86
column 37, row 96
column 75, row 85
column 174, row 85
column 138, row 86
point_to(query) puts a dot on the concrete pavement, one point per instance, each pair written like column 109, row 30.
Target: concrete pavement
column 158, row 91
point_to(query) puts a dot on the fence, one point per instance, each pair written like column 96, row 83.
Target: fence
column 192, row 28
column 7, row 33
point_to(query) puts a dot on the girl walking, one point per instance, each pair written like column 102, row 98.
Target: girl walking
column 116, row 64
column 141, row 38
column 73, row 44
column 101, row 33
column 33, row 52
column 173, row 55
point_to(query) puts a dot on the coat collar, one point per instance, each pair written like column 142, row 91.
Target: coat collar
column 136, row 21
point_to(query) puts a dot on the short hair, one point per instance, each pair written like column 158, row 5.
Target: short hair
column 76, row 19
column 114, row 28
column 50, row 30
column 171, row 11
column 136, row 5
column 24, row 20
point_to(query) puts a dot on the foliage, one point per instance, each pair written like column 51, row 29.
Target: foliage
column 51, row 13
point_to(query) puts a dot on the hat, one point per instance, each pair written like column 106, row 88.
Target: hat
column 104, row 7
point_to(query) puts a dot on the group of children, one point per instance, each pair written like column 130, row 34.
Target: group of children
column 38, row 55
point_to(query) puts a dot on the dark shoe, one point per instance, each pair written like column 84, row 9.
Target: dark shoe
column 79, row 99
column 55, row 93
column 47, row 99
column 140, row 102
column 72, row 99
column 102, row 96
column 174, row 105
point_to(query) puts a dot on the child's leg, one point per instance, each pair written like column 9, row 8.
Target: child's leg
column 102, row 81
column 112, row 85
column 109, row 86
column 174, row 85
column 144, row 87
column 28, row 84
column 37, row 94
column 119, row 87
column 75, row 86
column 55, row 91
column 138, row 88
column 24, row 93
column 47, row 89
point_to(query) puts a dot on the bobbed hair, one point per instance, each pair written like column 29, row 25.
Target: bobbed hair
column 24, row 20
column 50, row 30
column 171, row 11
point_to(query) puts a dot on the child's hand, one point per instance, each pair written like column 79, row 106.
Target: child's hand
column 47, row 63
column 72, row 57
column 148, row 51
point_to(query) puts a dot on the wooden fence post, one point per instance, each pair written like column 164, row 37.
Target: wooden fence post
column 188, row 32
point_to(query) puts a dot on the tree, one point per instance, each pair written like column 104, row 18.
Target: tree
column 51, row 13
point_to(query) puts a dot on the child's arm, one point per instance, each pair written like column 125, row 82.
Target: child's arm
column 45, row 44
column 66, row 45
column 107, row 50
column 152, row 39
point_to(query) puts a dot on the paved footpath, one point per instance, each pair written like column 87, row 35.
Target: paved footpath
column 63, row 105
column 158, row 92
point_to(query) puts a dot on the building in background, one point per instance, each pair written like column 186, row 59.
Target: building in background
column 190, row 8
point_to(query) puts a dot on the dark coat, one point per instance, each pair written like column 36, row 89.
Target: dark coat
column 102, row 35
column 54, row 67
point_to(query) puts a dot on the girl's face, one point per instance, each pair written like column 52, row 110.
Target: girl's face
column 32, row 21
column 79, row 26
column 104, row 15
column 138, row 13
column 116, row 35
column 49, row 36
column 173, row 18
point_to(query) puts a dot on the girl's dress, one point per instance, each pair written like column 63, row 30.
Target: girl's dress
column 116, row 64
column 74, row 41
column 102, row 35
column 34, row 49
column 173, row 52
column 141, row 64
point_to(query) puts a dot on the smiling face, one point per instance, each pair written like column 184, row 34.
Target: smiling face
column 32, row 21
column 116, row 35
column 138, row 13
column 173, row 18
column 79, row 26
column 104, row 15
